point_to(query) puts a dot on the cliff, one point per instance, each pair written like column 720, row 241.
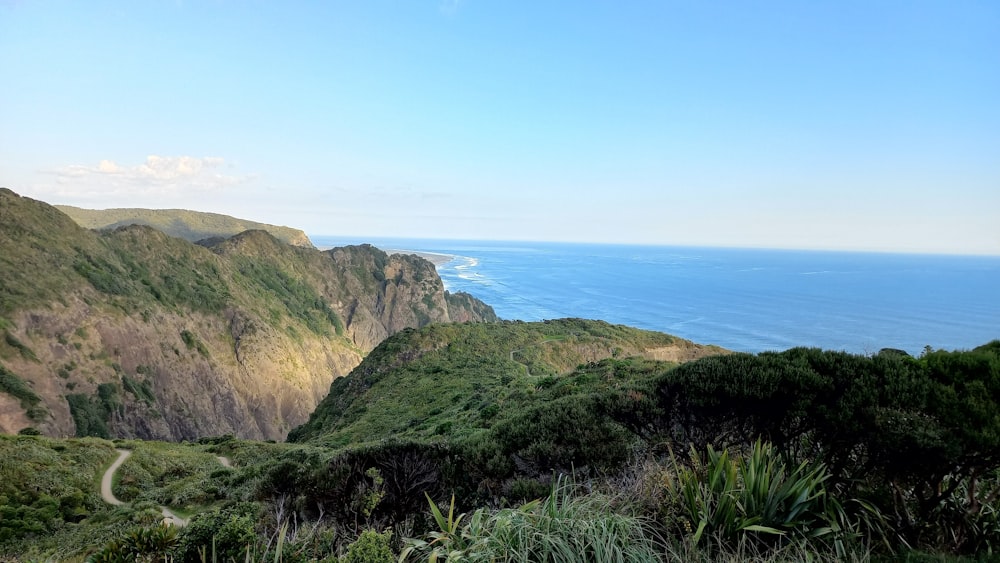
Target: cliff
column 134, row 333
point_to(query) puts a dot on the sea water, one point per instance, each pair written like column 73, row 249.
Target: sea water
column 741, row 299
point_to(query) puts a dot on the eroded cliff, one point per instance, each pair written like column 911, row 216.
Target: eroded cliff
column 134, row 333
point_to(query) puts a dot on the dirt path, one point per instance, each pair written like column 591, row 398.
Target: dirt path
column 169, row 516
column 109, row 476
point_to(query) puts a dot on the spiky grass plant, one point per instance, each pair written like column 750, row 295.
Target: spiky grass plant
column 561, row 528
column 758, row 497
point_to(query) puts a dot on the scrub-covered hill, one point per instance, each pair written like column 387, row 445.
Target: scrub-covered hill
column 450, row 380
column 134, row 333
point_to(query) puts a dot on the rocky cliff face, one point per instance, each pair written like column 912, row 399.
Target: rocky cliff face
column 134, row 333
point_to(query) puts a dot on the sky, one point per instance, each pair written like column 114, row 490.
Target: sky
column 848, row 125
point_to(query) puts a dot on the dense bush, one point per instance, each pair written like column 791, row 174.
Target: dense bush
column 377, row 485
column 370, row 547
column 220, row 535
column 905, row 432
column 91, row 414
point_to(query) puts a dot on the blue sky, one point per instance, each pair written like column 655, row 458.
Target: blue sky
column 869, row 125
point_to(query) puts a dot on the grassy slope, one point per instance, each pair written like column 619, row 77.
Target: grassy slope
column 451, row 380
column 189, row 225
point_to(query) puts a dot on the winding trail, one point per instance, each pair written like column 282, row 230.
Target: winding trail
column 109, row 476
column 169, row 516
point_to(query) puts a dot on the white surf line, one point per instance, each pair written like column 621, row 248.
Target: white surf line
column 169, row 516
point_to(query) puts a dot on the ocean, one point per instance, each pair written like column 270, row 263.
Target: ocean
column 742, row 299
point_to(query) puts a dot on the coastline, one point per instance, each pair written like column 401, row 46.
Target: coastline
column 435, row 258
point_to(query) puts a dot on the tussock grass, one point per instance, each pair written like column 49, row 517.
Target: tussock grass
column 563, row 527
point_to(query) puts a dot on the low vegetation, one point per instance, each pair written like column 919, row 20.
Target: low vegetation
column 804, row 455
column 455, row 381
column 181, row 223
column 16, row 387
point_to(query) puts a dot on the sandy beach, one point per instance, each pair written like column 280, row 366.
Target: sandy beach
column 433, row 257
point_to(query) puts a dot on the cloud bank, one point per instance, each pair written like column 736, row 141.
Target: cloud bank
column 157, row 172
column 159, row 181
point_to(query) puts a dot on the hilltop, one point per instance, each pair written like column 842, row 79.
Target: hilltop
column 189, row 225
column 134, row 333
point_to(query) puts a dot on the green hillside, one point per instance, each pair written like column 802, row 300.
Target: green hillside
column 452, row 380
column 802, row 455
column 189, row 225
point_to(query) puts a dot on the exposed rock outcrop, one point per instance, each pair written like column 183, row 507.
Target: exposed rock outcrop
column 134, row 333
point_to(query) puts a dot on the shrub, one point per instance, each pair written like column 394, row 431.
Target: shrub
column 222, row 534
column 370, row 547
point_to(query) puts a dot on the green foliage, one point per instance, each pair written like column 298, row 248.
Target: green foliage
column 562, row 435
column 364, row 486
column 417, row 380
column 560, row 528
column 189, row 225
column 184, row 478
column 89, row 415
column 375, row 493
column 104, row 276
column 16, row 387
column 46, row 484
column 194, row 343
column 141, row 390
column 143, row 544
column 22, row 349
column 226, row 534
column 300, row 299
column 371, row 547
column 758, row 495
column 889, row 426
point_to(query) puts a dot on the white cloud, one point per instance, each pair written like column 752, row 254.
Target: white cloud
column 156, row 173
column 159, row 181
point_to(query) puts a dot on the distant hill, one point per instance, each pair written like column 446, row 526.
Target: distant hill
column 133, row 333
column 181, row 223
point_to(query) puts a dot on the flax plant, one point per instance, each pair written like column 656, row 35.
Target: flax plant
column 758, row 496
column 561, row 528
